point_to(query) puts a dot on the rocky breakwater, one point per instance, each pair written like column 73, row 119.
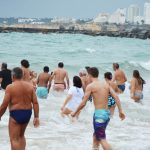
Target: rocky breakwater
column 112, row 30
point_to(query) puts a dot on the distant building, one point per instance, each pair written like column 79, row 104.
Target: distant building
column 63, row 20
column 139, row 20
column 102, row 18
column 133, row 11
column 118, row 17
column 147, row 13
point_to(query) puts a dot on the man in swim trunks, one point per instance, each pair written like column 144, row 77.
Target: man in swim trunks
column 44, row 83
column 100, row 92
column 20, row 97
column 119, row 77
column 59, row 75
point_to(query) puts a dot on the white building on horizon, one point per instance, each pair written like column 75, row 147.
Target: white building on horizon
column 139, row 20
column 102, row 18
column 119, row 16
column 133, row 11
column 147, row 13
column 63, row 20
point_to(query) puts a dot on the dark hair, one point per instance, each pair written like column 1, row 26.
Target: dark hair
column 94, row 72
column 46, row 69
column 25, row 63
column 108, row 75
column 77, row 81
column 136, row 75
column 116, row 65
column 87, row 67
column 4, row 66
column 60, row 64
column 17, row 73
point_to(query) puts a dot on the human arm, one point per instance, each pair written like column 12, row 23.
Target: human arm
column 132, row 91
column 84, row 101
column 68, row 98
column 5, row 102
column 67, row 79
column 36, row 109
column 49, row 83
column 117, row 100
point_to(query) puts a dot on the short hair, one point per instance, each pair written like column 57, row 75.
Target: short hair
column 46, row 69
column 116, row 65
column 83, row 72
column 108, row 75
column 77, row 82
column 4, row 66
column 94, row 72
column 17, row 73
column 25, row 63
column 60, row 64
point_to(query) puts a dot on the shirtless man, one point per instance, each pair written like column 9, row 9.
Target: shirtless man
column 119, row 77
column 83, row 77
column 27, row 74
column 59, row 76
column 20, row 97
column 100, row 92
column 44, row 83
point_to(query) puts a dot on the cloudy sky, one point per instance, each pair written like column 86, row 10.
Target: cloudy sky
column 60, row 8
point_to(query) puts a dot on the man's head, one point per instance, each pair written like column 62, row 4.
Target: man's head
column 46, row 69
column 17, row 73
column 93, row 72
column 115, row 66
column 82, row 72
column 60, row 64
column 108, row 75
column 25, row 63
column 4, row 66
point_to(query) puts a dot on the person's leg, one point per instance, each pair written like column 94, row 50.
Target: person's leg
column 105, row 145
column 112, row 109
column 96, row 143
column 22, row 137
column 14, row 134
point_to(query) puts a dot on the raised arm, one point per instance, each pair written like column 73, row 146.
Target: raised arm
column 49, row 82
column 84, row 101
column 36, row 110
column 5, row 102
column 117, row 100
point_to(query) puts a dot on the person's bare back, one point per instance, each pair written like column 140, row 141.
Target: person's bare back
column 43, row 79
column 59, row 76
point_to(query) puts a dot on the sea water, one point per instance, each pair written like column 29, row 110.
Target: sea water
column 78, row 51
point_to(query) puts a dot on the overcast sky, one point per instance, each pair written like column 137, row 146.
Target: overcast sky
column 60, row 8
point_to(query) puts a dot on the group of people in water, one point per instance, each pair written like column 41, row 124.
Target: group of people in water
column 22, row 87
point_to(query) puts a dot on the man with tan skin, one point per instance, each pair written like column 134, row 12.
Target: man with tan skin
column 20, row 97
column 59, row 75
column 44, row 83
column 100, row 92
column 119, row 77
column 27, row 74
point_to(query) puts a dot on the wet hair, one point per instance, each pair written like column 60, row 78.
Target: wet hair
column 108, row 75
column 17, row 73
column 60, row 64
column 77, row 82
column 94, row 72
column 87, row 67
column 136, row 75
column 46, row 69
column 116, row 65
column 25, row 63
column 4, row 66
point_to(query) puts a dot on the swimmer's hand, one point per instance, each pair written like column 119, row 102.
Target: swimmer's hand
column 122, row 115
column 36, row 122
column 62, row 108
